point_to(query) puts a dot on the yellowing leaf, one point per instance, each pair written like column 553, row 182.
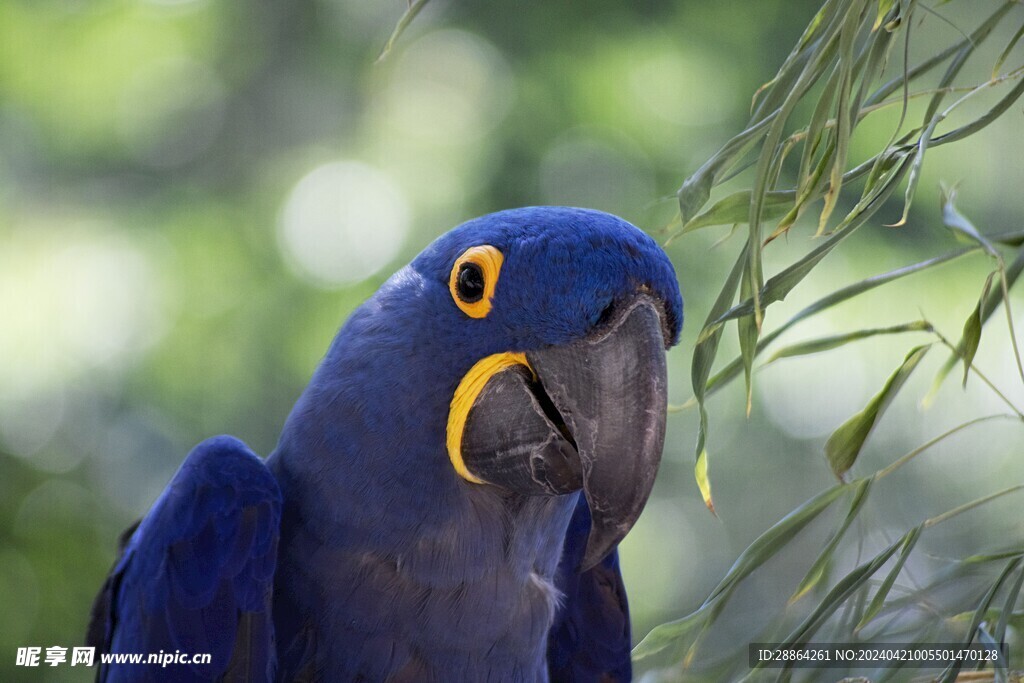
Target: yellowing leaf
column 700, row 473
column 883, row 8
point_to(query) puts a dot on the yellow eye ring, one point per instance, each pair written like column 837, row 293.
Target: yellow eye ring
column 473, row 279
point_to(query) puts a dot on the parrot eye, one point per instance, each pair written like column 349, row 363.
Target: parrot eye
column 474, row 278
column 470, row 285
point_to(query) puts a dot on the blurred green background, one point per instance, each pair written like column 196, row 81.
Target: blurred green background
column 194, row 194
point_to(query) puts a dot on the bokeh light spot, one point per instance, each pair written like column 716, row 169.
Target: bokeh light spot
column 343, row 222
column 74, row 297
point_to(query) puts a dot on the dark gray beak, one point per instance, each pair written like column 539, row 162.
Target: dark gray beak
column 590, row 416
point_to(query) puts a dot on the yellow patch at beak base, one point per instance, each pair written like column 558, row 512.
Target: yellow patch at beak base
column 465, row 396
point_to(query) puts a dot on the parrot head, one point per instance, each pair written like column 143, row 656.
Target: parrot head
column 523, row 353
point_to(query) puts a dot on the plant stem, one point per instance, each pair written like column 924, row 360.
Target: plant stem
column 920, row 449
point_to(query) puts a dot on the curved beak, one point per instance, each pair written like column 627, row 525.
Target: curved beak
column 590, row 415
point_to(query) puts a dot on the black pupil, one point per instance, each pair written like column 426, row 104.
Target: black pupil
column 470, row 283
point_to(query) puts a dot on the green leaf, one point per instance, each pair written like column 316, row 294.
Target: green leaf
column 764, row 547
column 673, row 633
column 818, row 31
column 971, row 337
column 992, row 302
column 915, row 169
column 907, row 547
column 839, row 593
column 732, row 370
column 959, row 225
column 833, row 342
column 783, row 283
column 883, row 9
column 846, row 442
column 844, row 126
column 1006, row 51
column 818, row 570
column 403, row 23
column 696, row 190
column 703, row 357
column 950, row 674
column 1008, row 607
column 748, row 332
column 817, row 134
column 979, row 34
column 735, row 208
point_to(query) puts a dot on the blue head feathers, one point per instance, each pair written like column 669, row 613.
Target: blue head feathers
column 436, row 458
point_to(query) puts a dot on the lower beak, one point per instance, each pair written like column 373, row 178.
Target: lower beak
column 590, row 415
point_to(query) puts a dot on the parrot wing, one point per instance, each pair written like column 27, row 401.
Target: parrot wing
column 590, row 638
column 196, row 574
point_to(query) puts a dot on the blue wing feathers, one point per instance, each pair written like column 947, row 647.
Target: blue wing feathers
column 590, row 639
column 197, row 573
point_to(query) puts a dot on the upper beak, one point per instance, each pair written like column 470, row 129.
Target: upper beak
column 590, row 415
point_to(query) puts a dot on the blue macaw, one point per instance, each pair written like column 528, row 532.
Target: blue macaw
column 447, row 495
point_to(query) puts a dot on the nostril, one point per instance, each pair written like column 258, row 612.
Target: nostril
column 607, row 313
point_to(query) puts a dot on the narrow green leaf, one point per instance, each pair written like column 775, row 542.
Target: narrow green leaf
column 995, row 297
column 817, row 134
column 950, row 674
column 783, row 283
column 667, row 635
column 811, row 189
column 818, row 570
column 703, row 357
column 1013, row 272
column 768, row 544
column 835, row 341
column 909, row 541
column 971, row 337
column 762, row 549
column 979, row 34
column 732, row 370
column 1004, row 614
column 696, row 190
column 988, row 641
column 735, row 208
column 883, row 9
column 843, row 127
column 1007, row 50
column 764, row 169
column 907, row 457
column 818, row 32
column 951, row 574
column 846, row 442
column 959, row 225
column 403, row 23
column 915, row 169
column 747, row 329
column 839, row 593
